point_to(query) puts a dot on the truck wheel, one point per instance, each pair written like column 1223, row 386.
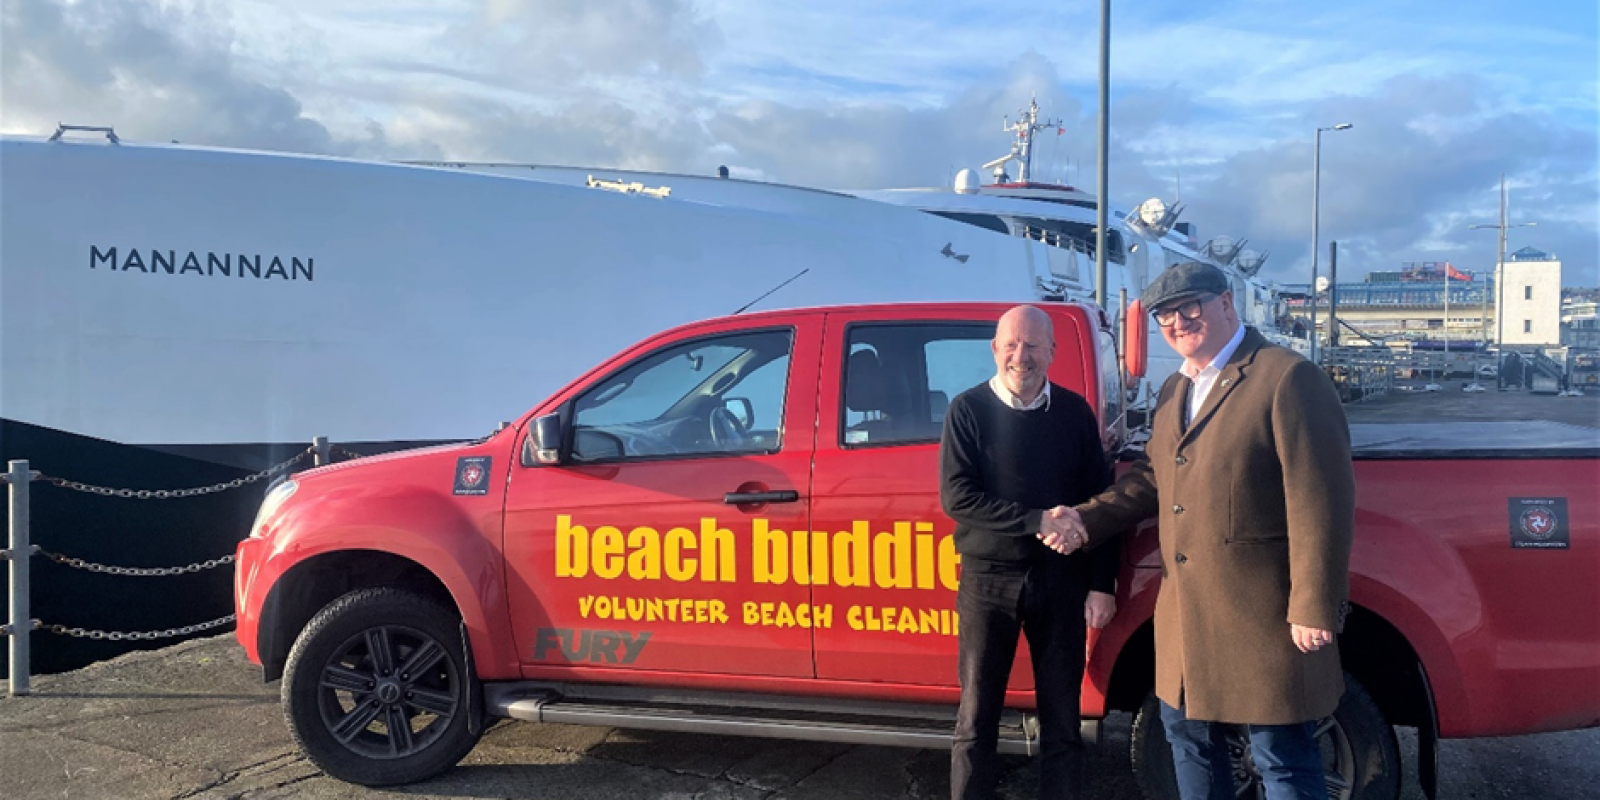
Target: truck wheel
column 376, row 689
column 1360, row 756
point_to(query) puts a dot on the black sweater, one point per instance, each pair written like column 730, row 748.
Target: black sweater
column 1001, row 469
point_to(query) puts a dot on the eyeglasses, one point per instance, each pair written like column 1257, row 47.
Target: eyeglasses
column 1189, row 310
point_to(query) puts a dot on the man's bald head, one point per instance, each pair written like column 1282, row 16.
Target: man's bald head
column 1024, row 345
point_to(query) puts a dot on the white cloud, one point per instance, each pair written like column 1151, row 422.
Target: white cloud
column 883, row 93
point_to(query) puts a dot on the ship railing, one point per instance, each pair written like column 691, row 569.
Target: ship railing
column 20, row 477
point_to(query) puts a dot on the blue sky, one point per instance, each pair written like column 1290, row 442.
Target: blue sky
column 1215, row 102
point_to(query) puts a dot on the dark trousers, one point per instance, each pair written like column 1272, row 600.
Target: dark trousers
column 1287, row 757
column 1047, row 605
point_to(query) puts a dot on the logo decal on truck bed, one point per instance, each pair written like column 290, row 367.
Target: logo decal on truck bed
column 1539, row 522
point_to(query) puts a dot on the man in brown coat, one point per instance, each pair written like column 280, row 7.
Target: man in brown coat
column 1248, row 466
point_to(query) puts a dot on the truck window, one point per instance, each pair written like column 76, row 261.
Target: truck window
column 717, row 395
column 899, row 379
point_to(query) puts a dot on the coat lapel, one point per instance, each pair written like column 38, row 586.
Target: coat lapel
column 1232, row 374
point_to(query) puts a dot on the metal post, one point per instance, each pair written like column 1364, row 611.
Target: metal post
column 324, row 454
column 1101, row 179
column 1316, row 192
column 1445, row 372
column 1500, row 287
column 1333, row 294
column 21, row 553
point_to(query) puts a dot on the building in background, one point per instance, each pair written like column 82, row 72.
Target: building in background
column 1580, row 325
column 1532, row 299
column 1405, row 306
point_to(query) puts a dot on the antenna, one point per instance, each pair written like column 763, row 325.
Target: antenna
column 770, row 291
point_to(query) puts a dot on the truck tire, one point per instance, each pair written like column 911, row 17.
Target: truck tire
column 373, row 663
column 1359, row 753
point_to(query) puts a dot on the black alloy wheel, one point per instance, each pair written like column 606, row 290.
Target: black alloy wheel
column 376, row 690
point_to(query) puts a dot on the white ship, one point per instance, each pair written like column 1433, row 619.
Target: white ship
column 173, row 316
column 197, row 300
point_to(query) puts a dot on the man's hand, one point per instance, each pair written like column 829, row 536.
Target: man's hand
column 1310, row 640
column 1099, row 609
column 1063, row 530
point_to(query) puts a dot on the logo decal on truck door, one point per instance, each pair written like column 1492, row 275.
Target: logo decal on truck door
column 1539, row 522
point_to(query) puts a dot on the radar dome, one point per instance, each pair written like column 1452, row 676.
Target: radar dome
column 967, row 182
column 1250, row 261
column 1152, row 212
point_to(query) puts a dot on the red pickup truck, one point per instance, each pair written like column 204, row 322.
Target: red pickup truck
column 734, row 527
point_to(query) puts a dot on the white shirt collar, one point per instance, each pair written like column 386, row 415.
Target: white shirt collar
column 1042, row 400
column 1221, row 359
column 1205, row 379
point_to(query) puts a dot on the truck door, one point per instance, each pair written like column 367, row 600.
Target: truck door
column 886, row 564
column 637, row 552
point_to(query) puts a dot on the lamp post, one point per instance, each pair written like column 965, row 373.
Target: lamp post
column 1500, row 284
column 1316, row 192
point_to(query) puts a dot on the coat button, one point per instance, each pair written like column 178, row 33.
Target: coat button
column 1181, row 558
column 1181, row 460
column 1176, row 509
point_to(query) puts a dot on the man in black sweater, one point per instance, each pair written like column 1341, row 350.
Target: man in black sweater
column 1015, row 452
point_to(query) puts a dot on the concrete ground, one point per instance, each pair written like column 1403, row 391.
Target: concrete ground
column 195, row 721
column 1492, row 405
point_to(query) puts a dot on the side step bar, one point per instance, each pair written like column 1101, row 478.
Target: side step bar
column 762, row 716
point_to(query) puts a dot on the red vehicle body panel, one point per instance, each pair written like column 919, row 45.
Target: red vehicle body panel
column 639, row 571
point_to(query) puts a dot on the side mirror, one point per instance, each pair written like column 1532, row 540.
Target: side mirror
column 547, row 437
column 1135, row 341
column 742, row 411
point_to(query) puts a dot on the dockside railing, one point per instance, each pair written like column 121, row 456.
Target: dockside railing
column 20, row 624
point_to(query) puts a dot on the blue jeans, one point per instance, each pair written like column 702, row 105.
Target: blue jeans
column 1287, row 757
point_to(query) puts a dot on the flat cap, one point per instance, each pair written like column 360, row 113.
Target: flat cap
column 1182, row 280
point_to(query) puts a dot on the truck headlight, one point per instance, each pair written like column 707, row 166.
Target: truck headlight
column 276, row 497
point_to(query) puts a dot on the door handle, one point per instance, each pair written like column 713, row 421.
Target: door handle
column 780, row 496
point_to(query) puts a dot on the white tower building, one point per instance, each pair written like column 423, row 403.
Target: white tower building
column 1532, row 312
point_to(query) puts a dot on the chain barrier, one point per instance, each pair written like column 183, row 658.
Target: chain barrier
column 142, row 572
column 349, row 454
column 166, row 494
column 118, row 636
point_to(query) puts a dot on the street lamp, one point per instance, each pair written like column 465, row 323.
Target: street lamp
column 1316, row 191
column 1500, row 284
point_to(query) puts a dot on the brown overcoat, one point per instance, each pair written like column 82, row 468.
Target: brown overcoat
column 1256, row 501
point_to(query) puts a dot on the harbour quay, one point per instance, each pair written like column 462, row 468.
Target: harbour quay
column 194, row 720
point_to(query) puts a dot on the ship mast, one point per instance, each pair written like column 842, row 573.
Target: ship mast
column 1025, row 127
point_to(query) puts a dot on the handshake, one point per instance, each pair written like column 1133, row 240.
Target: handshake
column 1063, row 530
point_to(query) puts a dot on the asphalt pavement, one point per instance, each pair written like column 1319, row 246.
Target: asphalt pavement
column 195, row 721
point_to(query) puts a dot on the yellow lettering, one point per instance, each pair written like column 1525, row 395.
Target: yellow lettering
column 584, row 604
column 949, row 563
column 608, row 548
column 853, row 616
column 752, row 613
column 907, row 623
column 770, row 560
column 891, row 558
column 819, row 558
column 678, row 567
column 925, row 555
column 850, row 565
column 644, row 563
column 802, row 557
column 822, row 617
column 719, row 611
column 717, row 544
column 572, row 548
